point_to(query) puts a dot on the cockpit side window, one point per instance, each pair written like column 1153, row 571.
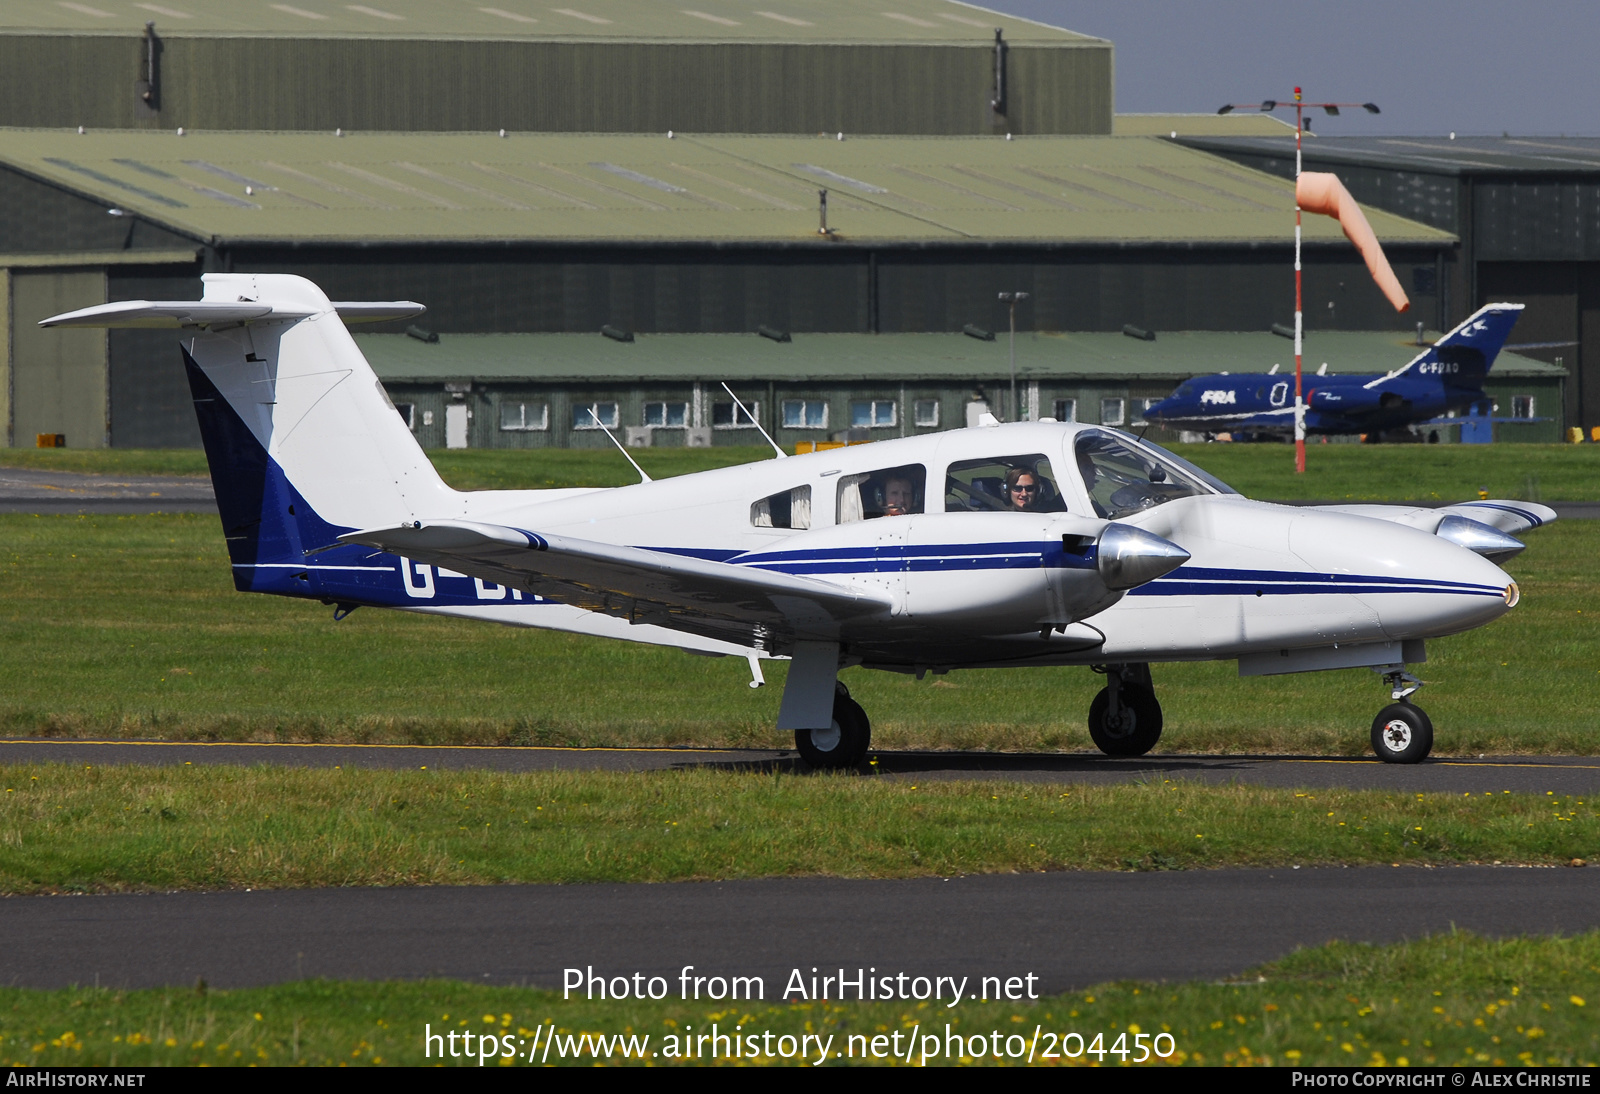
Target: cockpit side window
column 892, row 492
column 790, row 509
column 1123, row 478
column 1003, row 484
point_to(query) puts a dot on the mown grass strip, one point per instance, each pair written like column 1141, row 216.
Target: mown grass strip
column 129, row 626
column 1453, row 999
column 1338, row 472
column 69, row 828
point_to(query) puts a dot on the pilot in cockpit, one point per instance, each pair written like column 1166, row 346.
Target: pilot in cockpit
column 1022, row 490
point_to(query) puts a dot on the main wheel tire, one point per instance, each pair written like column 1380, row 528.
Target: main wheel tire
column 1402, row 734
column 843, row 744
column 1137, row 727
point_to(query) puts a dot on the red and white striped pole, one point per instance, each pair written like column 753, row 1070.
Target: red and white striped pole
column 1299, row 400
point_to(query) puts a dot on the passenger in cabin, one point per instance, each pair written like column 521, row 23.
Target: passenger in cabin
column 1022, row 490
column 899, row 497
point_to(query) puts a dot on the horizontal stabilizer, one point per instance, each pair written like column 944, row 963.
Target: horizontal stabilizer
column 160, row 314
column 743, row 604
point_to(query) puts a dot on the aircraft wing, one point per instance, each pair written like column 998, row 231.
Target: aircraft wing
column 1511, row 517
column 742, row 604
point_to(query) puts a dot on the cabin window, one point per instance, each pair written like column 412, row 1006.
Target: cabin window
column 584, row 417
column 1522, row 406
column 1004, row 484
column 1121, row 477
column 892, row 492
column 729, row 416
column 524, row 416
column 790, row 509
column 926, row 413
column 805, row 414
column 1280, row 393
column 872, row 413
column 408, row 414
column 666, row 415
column 1066, row 410
column 1112, row 411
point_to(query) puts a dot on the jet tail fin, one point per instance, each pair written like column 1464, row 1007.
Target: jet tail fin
column 1463, row 358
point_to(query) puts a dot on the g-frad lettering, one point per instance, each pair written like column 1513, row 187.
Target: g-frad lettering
column 834, row 985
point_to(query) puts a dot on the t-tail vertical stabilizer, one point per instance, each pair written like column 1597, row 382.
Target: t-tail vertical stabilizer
column 1463, row 358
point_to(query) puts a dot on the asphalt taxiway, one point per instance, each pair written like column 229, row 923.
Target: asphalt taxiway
column 1069, row 930
column 1519, row 774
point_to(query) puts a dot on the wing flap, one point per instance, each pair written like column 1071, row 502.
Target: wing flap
column 743, row 604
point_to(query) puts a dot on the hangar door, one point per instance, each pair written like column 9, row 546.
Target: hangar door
column 58, row 377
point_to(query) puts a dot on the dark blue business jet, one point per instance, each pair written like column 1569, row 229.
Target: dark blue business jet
column 1447, row 376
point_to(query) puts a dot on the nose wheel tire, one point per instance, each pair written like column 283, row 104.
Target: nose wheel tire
column 1136, row 727
column 843, row 744
column 1402, row 734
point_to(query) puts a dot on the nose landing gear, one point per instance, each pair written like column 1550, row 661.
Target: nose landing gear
column 1401, row 733
column 1125, row 718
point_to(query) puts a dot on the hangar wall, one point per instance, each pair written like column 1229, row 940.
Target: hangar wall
column 58, row 378
column 626, row 86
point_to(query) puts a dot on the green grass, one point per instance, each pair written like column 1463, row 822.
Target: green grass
column 1339, row 472
column 1453, row 999
column 129, row 627
column 101, row 829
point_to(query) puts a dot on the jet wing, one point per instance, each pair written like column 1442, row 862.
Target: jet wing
column 742, row 604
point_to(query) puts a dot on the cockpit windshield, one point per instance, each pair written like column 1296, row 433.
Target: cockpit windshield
column 1124, row 476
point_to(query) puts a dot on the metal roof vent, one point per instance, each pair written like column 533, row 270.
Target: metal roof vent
column 1138, row 332
column 773, row 333
column 421, row 335
column 617, row 334
column 972, row 330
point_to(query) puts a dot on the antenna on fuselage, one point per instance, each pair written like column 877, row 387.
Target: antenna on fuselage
column 642, row 476
column 751, row 418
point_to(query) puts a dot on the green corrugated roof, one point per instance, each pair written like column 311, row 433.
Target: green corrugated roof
column 832, row 358
column 729, row 20
column 583, row 188
column 1198, row 125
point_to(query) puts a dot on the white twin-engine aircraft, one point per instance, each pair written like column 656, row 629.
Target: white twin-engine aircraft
column 1033, row 543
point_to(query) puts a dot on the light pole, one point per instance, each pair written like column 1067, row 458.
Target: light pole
column 1010, row 299
column 1300, row 107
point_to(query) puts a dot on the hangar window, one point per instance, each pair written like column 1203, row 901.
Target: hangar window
column 408, row 414
column 926, row 413
column 1112, row 411
column 805, row 414
column 585, row 416
column 872, row 413
column 1066, row 410
column 1522, row 406
column 666, row 415
column 524, row 416
column 729, row 416
column 892, row 492
column 790, row 509
column 1005, row 484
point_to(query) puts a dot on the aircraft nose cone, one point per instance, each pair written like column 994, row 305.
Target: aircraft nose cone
column 1129, row 556
column 1479, row 538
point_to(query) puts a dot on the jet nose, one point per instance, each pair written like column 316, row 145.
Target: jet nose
column 1127, row 556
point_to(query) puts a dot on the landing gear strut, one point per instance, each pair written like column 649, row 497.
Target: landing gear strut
column 1401, row 733
column 1125, row 719
column 844, row 743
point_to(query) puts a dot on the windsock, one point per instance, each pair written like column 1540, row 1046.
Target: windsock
column 1320, row 192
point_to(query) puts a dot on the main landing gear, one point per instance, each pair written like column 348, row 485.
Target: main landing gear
column 1401, row 733
column 1125, row 719
column 844, row 743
